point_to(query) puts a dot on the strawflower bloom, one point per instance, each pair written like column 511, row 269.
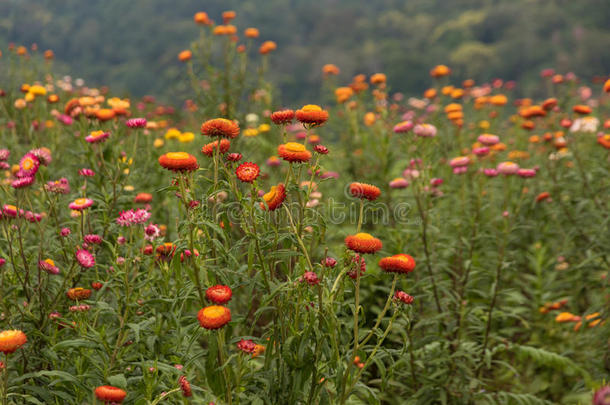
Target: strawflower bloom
column 602, row 395
column 60, row 186
column 488, row 139
column 293, row 152
column 363, row 243
column 143, row 198
column 282, row 117
column 48, row 265
column 28, row 165
column 210, row 148
column 312, row 115
column 507, row 168
column 220, row 127
column 363, row 190
column 425, row 130
column 11, row 340
column 78, row 293
column 85, row 258
column 81, row 204
column 136, row 123
column 526, row 173
column 109, row 394
column 247, row 172
column 22, row 182
column 219, row 294
column 403, row 297
column 151, row 232
column 403, row 127
column 321, row 149
column 185, row 386
column 400, row 263
column 93, row 239
column 246, row 345
column 214, row 317
column 43, row 155
column 178, row 161
column 133, row 217
column 274, row 198
column 310, row 278
column 86, row 172
column 97, row 137
column 10, row 211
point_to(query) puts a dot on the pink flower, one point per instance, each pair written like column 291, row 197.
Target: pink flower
column 93, row 239
column 246, row 346
column 329, row 262
column 329, row 175
column 81, row 204
column 488, row 139
column 136, row 123
column 490, row 172
column 4, row 154
column 133, row 217
column 482, row 151
column 65, row 119
column 49, row 266
column 435, row 182
column 425, row 130
column 85, row 259
column 65, row 232
column 403, row 297
column 459, row 161
column 60, row 186
column 10, row 211
column 399, row 182
column 28, row 165
column 403, row 127
column 508, row 168
column 22, row 182
column 152, row 232
column 43, row 155
column 310, row 278
column 460, row 169
column 526, row 173
column 86, row 172
column 97, row 137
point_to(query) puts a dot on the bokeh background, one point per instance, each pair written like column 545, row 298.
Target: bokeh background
column 132, row 45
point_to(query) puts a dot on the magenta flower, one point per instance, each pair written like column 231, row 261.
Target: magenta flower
column 93, row 239
column 136, row 123
column 86, row 172
column 22, row 182
column 81, row 204
column 425, row 130
column 60, row 186
column 403, row 297
column 49, row 266
column 246, row 346
column 43, row 155
column 97, row 137
column 28, row 165
column 4, row 154
column 85, row 259
column 399, row 182
column 133, row 217
column 310, row 278
column 526, row 173
column 403, row 127
column 508, row 168
column 488, row 139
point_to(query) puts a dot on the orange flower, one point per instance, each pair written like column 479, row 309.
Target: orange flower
column 208, row 149
column 185, row 55
column 566, row 317
column 549, row 103
column 468, row 83
column 220, row 127
column 104, row 114
column 430, row 93
column 227, row 16
column 251, row 33
column 78, row 293
column 363, row 243
column 604, row 141
column 582, row 109
column 607, row 86
column 178, row 161
column 440, row 71
column 48, row 54
column 545, row 195
column 258, row 350
column 266, row 47
column 343, row 94
column 312, row 115
column 378, row 78
column 498, row 100
column 219, row 294
column 330, row 70
column 247, row 172
column 274, row 198
column 293, row 152
column 202, row 18
column 143, row 198
column 220, row 30
column 11, row 340
column 214, row 317
column 363, row 190
column 108, row 393
column 282, row 117
column 400, row 263
column 532, row 111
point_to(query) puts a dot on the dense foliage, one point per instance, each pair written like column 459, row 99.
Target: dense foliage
column 450, row 248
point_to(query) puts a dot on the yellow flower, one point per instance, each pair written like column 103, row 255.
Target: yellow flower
column 158, row 143
column 484, row 124
column 186, row 137
column 29, row 97
column 250, row 132
column 172, row 133
column 117, row 103
column 128, row 187
column 264, row 128
column 37, row 90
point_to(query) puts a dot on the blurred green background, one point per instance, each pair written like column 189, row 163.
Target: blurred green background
column 131, row 45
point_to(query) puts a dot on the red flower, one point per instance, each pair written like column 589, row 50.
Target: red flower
column 247, row 172
column 401, row 263
column 363, row 190
column 234, row 157
column 220, row 127
column 363, row 243
column 403, row 297
column 143, row 198
column 282, row 117
column 185, row 386
column 246, row 346
column 209, row 148
column 108, row 393
column 214, row 317
column 545, row 195
column 321, row 149
column 582, row 109
column 294, row 152
column 274, row 198
column 178, row 161
column 219, row 294
column 11, row 340
column 312, row 115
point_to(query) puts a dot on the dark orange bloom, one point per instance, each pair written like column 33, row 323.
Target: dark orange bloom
column 220, row 127
column 400, row 263
column 53, row 98
column 143, row 198
column 202, row 18
column 266, row 47
column 430, row 93
column 529, row 125
column 208, row 149
column 604, row 141
column 185, row 386
column 468, row 83
column 363, row 190
column 582, row 109
column 607, row 86
column 251, row 33
column 545, row 195
column 219, row 294
column 178, row 161
column 343, row 94
column 185, row 55
column 247, row 172
column 498, row 100
column 11, row 340
column 108, row 393
column 220, row 30
column 549, row 103
column 78, row 293
column 312, row 115
column 282, row 117
column 166, row 250
column 227, row 16
column 378, row 78
column 330, row 70
column 104, row 114
column 230, row 30
column 48, row 54
column 440, row 71
column 214, row 317
column 532, row 111
column 293, row 152
column 363, row 243
column 274, row 198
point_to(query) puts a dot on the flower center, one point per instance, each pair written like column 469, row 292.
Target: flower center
column 365, row 236
column 28, row 164
column 294, row 147
column 311, row 107
column 215, row 311
column 177, row 155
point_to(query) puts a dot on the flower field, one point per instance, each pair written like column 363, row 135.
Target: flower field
column 372, row 247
